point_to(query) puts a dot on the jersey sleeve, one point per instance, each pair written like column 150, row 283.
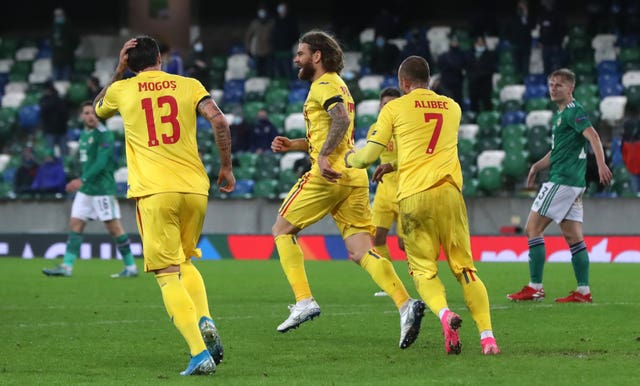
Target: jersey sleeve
column 328, row 95
column 372, row 128
column 383, row 130
column 200, row 93
column 579, row 119
column 107, row 106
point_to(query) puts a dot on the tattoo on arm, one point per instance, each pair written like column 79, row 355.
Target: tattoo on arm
column 208, row 109
column 337, row 129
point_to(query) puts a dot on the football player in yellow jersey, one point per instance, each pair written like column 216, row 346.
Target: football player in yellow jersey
column 330, row 188
column 385, row 205
column 424, row 126
column 169, row 183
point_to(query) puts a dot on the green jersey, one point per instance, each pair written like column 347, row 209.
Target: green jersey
column 98, row 163
column 569, row 146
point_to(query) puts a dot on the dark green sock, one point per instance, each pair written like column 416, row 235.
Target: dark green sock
column 537, row 258
column 73, row 248
column 124, row 247
column 580, row 262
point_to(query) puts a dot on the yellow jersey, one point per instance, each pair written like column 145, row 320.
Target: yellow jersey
column 159, row 111
column 424, row 126
column 388, row 155
column 324, row 93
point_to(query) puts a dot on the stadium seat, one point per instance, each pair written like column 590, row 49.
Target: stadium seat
column 29, row 117
column 246, row 159
column 538, row 131
column 294, row 121
column 490, row 179
column 536, row 104
column 603, row 41
column 512, row 92
column 488, row 142
column 297, row 95
column 244, row 189
column 470, row 187
column 365, row 120
column 115, row 123
column 367, row 35
column 286, row 180
column 515, row 164
column 352, row 62
column 77, row 93
column 288, row 159
column 535, row 91
column 490, row 158
column 538, row 147
column 631, row 78
column 250, row 110
column 538, row 117
column 266, row 188
column 371, row 82
column 488, row 118
column 612, row 108
column 468, row 131
column 467, row 147
column 633, row 95
column 513, row 117
column 244, row 172
column 368, row 107
column 294, row 108
column 13, row 99
column 255, row 88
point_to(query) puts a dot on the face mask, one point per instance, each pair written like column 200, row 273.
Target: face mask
column 380, row 42
column 480, row 49
column 237, row 120
column 197, row 47
column 59, row 20
column 262, row 14
column 281, row 10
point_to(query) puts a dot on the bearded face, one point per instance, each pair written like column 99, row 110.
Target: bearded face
column 306, row 71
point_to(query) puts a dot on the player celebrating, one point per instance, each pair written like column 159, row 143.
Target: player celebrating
column 95, row 195
column 385, row 206
column 424, row 126
column 331, row 188
column 169, row 183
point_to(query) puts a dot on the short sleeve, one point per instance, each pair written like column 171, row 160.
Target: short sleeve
column 383, row 129
column 579, row 120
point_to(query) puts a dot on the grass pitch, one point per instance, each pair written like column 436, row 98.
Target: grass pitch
column 94, row 330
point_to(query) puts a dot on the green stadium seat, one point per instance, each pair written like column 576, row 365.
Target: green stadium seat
column 77, row 93
column 490, row 180
column 536, row 104
column 365, row 120
column 250, row 110
column 467, row 147
column 278, row 83
column 515, row 163
column 286, row 180
column 294, row 107
column 511, row 105
column 489, row 143
column 538, row 148
column 633, row 95
column 244, row 172
column 488, row 118
column 246, row 159
column 514, row 130
column 84, row 66
column 219, row 63
column 266, row 188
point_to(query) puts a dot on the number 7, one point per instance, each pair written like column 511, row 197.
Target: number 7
column 436, row 130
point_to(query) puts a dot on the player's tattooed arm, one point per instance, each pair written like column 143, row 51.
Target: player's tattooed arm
column 210, row 110
column 338, row 128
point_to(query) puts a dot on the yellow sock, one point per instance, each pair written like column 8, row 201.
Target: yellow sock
column 292, row 261
column 181, row 310
column 383, row 251
column 193, row 283
column 382, row 272
column 476, row 298
column 432, row 292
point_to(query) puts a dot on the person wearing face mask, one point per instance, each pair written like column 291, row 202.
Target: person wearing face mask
column 480, row 68
column 63, row 44
column 285, row 36
column 258, row 41
column 384, row 57
column 264, row 131
column 518, row 33
column 197, row 66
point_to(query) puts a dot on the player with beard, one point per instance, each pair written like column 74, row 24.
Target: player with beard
column 330, row 188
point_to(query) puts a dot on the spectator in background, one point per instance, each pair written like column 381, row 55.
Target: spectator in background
column 386, row 23
column 26, row 173
column 553, row 29
column 451, row 65
column 63, row 44
column 384, row 57
column 93, row 86
column 50, row 177
column 417, row 45
column 258, row 39
column 480, row 68
column 263, row 133
column 197, row 66
column 54, row 115
column 240, row 132
column 518, row 33
column 171, row 60
column 285, row 36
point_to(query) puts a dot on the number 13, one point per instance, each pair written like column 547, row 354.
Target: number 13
column 147, row 106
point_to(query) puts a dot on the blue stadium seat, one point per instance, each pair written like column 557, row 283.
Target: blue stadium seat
column 513, row 117
column 389, row 81
column 535, row 80
column 29, row 116
column 611, row 90
column 233, row 91
column 244, row 189
column 535, row 91
column 202, row 123
column 298, row 95
column 299, row 84
column 608, row 67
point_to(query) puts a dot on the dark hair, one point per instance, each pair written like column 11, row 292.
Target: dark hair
column 390, row 92
column 85, row 104
column 564, row 73
column 144, row 54
column 415, row 69
column 332, row 57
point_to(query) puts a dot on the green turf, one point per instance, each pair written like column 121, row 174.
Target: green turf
column 90, row 329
